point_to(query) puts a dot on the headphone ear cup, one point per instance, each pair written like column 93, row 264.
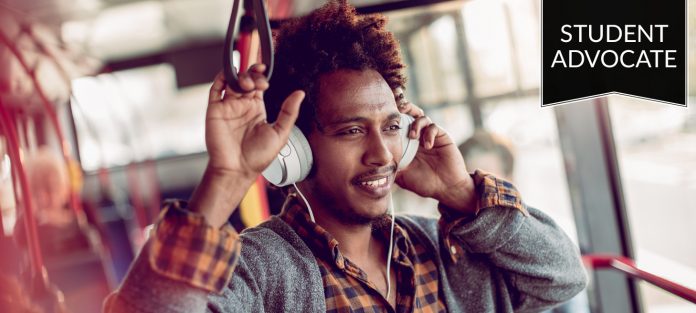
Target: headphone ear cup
column 409, row 146
column 293, row 163
column 304, row 152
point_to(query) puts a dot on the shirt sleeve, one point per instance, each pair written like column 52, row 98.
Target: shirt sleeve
column 185, row 248
column 541, row 266
column 491, row 192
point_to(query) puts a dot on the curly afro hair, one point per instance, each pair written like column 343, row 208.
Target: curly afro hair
column 330, row 38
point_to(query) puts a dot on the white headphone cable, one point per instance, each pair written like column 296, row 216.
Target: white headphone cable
column 391, row 246
column 391, row 234
column 309, row 208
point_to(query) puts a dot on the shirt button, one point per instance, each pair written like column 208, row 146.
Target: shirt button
column 340, row 262
column 453, row 250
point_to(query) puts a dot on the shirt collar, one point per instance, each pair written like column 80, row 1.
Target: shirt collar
column 325, row 246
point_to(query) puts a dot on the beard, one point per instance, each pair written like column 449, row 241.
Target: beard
column 352, row 218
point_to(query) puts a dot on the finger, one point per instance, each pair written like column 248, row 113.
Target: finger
column 217, row 87
column 260, row 81
column 288, row 113
column 258, row 68
column 231, row 94
column 409, row 108
column 399, row 178
column 417, row 126
column 429, row 134
column 246, row 83
column 260, row 84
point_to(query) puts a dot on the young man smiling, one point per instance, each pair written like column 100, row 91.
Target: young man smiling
column 487, row 253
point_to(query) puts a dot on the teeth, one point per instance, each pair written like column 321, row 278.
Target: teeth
column 375, row 183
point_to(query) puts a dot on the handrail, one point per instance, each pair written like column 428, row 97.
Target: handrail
column 65, row 146
column 628, row 267
column 21, row 184
column 266, row 42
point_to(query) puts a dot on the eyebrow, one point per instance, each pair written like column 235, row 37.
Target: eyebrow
column 392, row 116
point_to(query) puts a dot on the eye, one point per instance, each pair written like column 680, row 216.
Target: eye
column 351, row 131
column 393, row 128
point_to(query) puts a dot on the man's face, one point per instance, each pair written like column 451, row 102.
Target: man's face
column 356, row 145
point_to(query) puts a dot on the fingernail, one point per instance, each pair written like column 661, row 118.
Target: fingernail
column 412, row 133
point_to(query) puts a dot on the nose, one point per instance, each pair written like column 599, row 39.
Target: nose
column 377, row 151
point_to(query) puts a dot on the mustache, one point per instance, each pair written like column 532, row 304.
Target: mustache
column 376, row 171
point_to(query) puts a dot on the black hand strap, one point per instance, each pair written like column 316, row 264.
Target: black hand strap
column 264, row 34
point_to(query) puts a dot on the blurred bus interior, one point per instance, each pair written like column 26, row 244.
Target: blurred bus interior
column 124, row 87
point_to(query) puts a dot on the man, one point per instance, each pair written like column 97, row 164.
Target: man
column 488, row 252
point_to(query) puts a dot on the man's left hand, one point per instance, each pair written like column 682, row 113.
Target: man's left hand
column 438, row 170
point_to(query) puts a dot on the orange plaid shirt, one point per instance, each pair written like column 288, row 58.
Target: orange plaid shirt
column 346, row 287
column 185, row 248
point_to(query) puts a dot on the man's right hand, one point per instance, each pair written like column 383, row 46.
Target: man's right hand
column 240, row 142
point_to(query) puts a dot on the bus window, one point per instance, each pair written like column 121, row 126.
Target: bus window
column 656, row 149
column 472, row 66
column 136, row 114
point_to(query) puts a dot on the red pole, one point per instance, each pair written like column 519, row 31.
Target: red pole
column 155, row 194
column 64, row 145
column 8, row 128
column 628, row 267
column 244, row 44
column 134, row 191
column 244, row 47
column 2, row 227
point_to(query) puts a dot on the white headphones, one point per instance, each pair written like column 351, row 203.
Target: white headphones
column 295, row 158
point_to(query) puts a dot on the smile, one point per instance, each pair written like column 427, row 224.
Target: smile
column 375, row 187
column 375, row 183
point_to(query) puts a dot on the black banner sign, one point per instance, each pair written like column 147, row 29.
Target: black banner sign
column 593, row 48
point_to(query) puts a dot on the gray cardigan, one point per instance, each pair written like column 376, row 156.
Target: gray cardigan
column 512, row 263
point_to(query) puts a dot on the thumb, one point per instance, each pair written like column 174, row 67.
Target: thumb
column 288, row 113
